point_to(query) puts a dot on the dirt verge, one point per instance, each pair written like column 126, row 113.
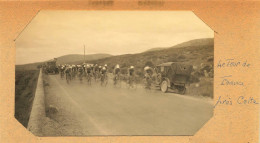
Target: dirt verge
column 25, row 86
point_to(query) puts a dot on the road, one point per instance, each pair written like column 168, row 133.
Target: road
column 97, row 110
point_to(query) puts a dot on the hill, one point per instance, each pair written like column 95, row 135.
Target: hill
column 154, row 49
column 195, row 42
column 66, row 59
column 72, row 58
column 194, row 52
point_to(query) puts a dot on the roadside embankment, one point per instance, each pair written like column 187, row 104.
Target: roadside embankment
column 38, row 109
column 25, row 87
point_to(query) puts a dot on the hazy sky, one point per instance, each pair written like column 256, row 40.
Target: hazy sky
column 56, row 33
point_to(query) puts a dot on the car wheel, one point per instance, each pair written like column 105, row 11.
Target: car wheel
column 182, row 90
column 164, row 86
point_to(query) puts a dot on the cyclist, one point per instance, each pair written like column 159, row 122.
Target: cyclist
column 92, row 68
column 99, row 68
column 81, row 72
column 131, row 76
column 88, row 72
column 73, row 71
column 148, row 77
column 95, row 67
column 103, row 73
column 96, row 71
column 131, row 70
column 68, row 71
column 62, row 70
column 116, row 73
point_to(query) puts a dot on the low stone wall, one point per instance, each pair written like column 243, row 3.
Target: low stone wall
column 38, row 109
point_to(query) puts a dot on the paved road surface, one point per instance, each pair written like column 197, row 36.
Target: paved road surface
column 96, row 110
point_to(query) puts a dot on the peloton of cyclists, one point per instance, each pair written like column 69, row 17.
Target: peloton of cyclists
column 101, row 72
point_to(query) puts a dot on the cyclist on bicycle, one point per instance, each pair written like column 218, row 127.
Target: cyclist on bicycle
column 99, row 68
column 131, row 72
column 68, row 71
column 73, row 71
column 105, row 66
column 95, row 67
column 62, row 70
column 80, row 69
column 88, row 70
column 92, row 68
column 116, row 73
column 99, row 71
column 103, row 73
column 81, row 72
column 95, row 71
column 148, row 77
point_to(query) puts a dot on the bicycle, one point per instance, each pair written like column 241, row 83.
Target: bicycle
column 88, row 77
column 117, row 81
column 96, row 75
column 68, row 78
column 80, row 77
column 104, row 80
column 147, row 82
column 131, row 82
column 73, row 75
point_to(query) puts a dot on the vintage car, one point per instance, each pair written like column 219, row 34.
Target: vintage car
column 173, row 75
column 51, row 67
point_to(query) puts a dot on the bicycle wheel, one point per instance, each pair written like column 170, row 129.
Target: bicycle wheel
column 117, row 82
column 89, row 79
column 67, row 79
column 106, row 81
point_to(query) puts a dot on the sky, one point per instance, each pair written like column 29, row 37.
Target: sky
column 56, row 33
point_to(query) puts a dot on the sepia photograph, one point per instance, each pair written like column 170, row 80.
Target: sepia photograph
column 114, row 73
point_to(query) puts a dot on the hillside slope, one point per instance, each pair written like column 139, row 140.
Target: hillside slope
column 194, row 52
column 72, row 58
column 154, row 49
column 196, row 42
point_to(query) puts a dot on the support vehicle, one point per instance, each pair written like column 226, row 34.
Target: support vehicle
column 51, row 67
column 173, row 75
